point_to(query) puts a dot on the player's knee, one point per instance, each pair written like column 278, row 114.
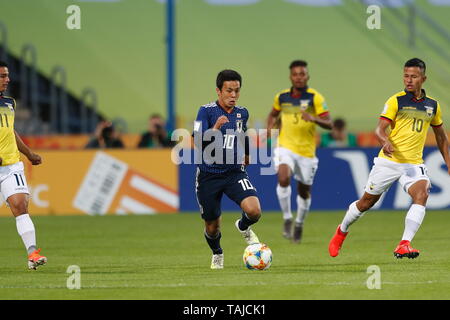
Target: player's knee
column 212, row 230
column 304, row 194
column 284, row 181
column 19, row 208
column 254, row 213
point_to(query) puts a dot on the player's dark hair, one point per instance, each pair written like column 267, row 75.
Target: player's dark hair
column 339, row 123
column 3, row 64
column 416, row 62
column 298, row 63
column 227, row 75
column 155, row 115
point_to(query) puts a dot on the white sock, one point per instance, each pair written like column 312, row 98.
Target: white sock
column 413, row 220
column 302, row 209
column 284, row 198
column 25, row 228
column 351, row 216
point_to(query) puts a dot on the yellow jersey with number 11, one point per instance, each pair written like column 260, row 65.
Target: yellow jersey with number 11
column 8, row 145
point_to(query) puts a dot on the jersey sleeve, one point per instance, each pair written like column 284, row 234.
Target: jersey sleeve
column 390, row 109
column 14, row 104
column 437, row 119
column 276, row 103
column 246, row 137
column 247, row 115
column 320, row 105
column 201, row 123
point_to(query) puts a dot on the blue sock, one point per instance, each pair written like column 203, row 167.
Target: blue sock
column 245, row 222
column 214, row 243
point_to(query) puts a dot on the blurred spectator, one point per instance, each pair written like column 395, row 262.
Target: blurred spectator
column 338, row 136
column 105, row 136
column 156, row 136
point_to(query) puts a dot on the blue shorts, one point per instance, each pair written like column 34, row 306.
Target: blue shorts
column 211, row 186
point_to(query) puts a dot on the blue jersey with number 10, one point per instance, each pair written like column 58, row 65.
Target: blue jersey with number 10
column 230, row 140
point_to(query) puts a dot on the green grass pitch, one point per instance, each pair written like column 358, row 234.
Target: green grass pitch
column 166, row 257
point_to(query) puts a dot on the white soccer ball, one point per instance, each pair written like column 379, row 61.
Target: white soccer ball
column 257, row 256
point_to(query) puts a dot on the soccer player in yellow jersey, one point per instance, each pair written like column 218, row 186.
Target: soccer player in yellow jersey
column 301, row 109
column 401, row 131
column 13, row 184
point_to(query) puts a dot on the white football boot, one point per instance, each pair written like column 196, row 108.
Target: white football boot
column 249, row 236
column 217, row 261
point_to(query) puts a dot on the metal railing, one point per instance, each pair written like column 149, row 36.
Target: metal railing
column 414, row 19
column 4, row 42
column 88, row 122
column 58, row 98
column 28, row 80
column 35, row 100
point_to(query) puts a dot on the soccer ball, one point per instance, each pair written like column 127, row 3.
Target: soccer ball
column 257, row 256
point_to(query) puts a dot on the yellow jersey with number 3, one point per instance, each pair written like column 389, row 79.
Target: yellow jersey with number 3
column 410, row 120
column 296, row 134
column 8, row 145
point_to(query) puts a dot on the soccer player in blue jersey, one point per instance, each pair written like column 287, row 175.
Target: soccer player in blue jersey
column 222, row 167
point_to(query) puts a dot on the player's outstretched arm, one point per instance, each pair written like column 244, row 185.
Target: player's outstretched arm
column 323, row 121
column 271, row 120
column 34, row 158
column 383, row 138
column 442, row 142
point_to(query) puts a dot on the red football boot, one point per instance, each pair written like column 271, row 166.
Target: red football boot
column 35, row 260
column 404, row 249
column 336, row 242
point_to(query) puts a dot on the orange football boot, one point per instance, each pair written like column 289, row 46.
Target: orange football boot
column 35, row 259
column 336, row 242
column 404, row 249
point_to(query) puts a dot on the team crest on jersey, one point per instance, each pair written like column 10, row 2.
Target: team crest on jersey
column 304, row 104
column 238, row 115
column 239, row 125
column 10, row 106
column 429, row 110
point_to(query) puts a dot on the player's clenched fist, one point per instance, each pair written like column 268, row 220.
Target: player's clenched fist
column 388, row 149
column 35, row 159
column 220, row 122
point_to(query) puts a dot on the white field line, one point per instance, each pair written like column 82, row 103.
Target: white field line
column 174, row 285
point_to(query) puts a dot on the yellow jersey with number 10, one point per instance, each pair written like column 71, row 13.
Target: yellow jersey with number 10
column 8, row 145
column 296, row 134
column 410, row 120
